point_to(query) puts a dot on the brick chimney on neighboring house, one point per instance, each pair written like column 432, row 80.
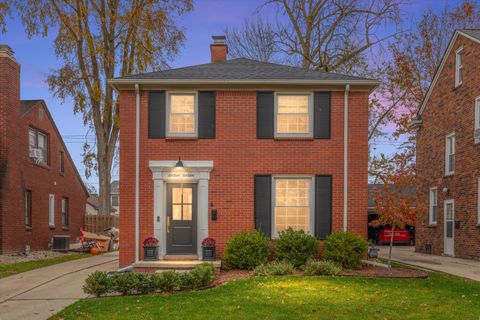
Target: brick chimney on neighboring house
column 218, row 49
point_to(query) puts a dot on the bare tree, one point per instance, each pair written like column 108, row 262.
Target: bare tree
column 4, row 13
column 98, row 40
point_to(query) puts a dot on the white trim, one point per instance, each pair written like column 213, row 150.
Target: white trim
column 448, row 201
column 137, row 172
column 308, row 134
column 458, row 66
column 345, row 159
column 447, row 154
column 478, row 202
column 195, row 111
column 476, row 125
column 440, row 68
column 430, row 206
column 51, row 210
column 311, row 196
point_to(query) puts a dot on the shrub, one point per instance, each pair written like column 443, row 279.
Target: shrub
column 164, row 282
column 246, row 250
column 144, row 283
column 275, row 268
column 199, row 277
column 346, row 249
column 126, row 283
column 296, row 247
column 98, row 283
column 327, row 268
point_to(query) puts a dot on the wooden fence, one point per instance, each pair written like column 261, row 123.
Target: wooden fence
column 97, row 223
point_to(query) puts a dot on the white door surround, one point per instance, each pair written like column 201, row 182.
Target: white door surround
column 164, row 172
column 449, row 227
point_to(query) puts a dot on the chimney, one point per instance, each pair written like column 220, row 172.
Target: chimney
column 6, row 52
column 218, row 49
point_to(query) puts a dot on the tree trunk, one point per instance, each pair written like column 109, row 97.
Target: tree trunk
column 104, row 179
column 390, row 249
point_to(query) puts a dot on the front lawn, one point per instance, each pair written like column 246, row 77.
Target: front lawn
column 10, row 269
column 295, row 297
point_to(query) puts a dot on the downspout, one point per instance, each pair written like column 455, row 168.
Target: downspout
column 137, row 171
column 345, row 159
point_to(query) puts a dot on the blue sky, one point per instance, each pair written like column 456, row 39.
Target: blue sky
column 209, row 17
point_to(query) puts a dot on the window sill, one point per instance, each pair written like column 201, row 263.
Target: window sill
column 171, row 139
column 65, row 228
column 62, row 173
column 457, row 86
column 52, row 227
column 41, row 165
column 293, row 138
column 478, row 225
column 450, row 174
column 28, row 228
column 476, row 141
column 432, row 225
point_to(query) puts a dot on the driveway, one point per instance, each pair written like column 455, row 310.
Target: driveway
column 40, row 293
column 460, row 267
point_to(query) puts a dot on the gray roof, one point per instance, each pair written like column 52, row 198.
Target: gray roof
column 475, row 33
column 375, row 189
column 242, row 69
column 27, row 105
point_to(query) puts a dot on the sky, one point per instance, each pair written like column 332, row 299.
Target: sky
column 209, row 17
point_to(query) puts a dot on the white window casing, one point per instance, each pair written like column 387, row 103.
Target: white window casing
column 433, row 206
column 293, row 118
column 478, row 202
column 458, row 67
column 51, row 210
column 476, row 134
column 182, row 114
column 450, row 154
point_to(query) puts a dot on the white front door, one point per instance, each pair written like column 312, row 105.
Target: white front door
column 449, row 229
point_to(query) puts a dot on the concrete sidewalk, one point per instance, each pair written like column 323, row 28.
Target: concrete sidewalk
column 460, row 267
column 40, row 293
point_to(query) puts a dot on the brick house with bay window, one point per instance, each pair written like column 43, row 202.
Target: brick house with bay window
column 41, row 192
column 233, row 145
column 448, row 153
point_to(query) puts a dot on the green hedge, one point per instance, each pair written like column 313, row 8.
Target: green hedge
column 246, row 250
column 326, row 268
column 130, row 283
column 274, row 268
column 345, row 249
column 296, row 247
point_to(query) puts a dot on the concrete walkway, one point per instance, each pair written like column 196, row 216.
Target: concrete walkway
column 40, row 293
column 460, row 267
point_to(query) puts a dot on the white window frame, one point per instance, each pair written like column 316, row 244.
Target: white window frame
column 51, row 210
column 478, row 202
column 308, row 134
column 194, row 134
column 430, row 206
column 477, row 118
column 458, row 66
column 447, row 159
column 311, row 196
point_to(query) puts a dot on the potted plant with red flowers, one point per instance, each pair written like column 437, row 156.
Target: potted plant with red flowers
column 150, row 249
column 208, row 249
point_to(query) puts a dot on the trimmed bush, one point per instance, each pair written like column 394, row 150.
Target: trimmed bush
column 345, row 249
column 200, row 276
column 126, row 283
column 296, row 247
column 326, row 268
column 246, row 250
column 275, row 268
column 164, row 282
column 98, row 283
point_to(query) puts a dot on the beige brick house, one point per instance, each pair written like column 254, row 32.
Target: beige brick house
column 448, row 153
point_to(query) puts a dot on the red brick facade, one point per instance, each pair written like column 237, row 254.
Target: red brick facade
column 448, row 110
column 18, row 173
column 238, row 155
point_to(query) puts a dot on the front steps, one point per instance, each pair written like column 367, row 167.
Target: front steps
column 170, row 264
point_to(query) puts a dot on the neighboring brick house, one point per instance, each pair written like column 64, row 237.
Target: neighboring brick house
column 41, row 193
column 448, row 153
column 233, row 145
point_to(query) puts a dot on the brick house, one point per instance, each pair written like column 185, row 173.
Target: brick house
column 448, row 153
column 233, row 145
column 41, row 192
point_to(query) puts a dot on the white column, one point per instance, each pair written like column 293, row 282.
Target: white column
column 202, row 221
column 159, row 215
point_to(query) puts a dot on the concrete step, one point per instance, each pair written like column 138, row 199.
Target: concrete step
column 172, row 264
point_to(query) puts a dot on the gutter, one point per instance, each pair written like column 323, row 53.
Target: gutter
column 345, row 159
column 137, row 171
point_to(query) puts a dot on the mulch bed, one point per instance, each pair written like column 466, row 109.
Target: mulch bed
column 224, row 276
column 379, row 272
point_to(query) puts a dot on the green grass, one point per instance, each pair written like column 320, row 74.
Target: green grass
column 294, row 297
column 10, row 269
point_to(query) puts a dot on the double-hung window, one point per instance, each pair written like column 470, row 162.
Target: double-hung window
column 28, row 208
column 38, row 145
column 114, row 199
column 433, row 206
column 294, row 115
column 51, row 210
column 182, row 111
column 477, row 120
column 64, row 212
column 450, row 154
column 292, row 204
column 478, row 202
column 458, row 67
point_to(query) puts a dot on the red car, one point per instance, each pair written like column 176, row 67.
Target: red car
column 399, row 236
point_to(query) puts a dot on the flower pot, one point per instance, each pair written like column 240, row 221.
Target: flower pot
column 150, row 253
column 373, row 252
column 208, row 253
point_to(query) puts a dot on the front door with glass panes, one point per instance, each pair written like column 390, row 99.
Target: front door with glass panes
column 181, row 221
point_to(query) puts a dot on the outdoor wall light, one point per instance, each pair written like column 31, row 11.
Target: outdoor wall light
column 179, row 163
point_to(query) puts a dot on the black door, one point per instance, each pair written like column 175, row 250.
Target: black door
column 182, row 218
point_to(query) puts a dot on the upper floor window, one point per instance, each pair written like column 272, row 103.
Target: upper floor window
column 51, row 210
column 433, row 206
column 182, row 114
column 64, row 212
column 458, row 67
column 450, row 154
column 477, row 120
column 38, row 145
column 293, row 115
column 114, row 200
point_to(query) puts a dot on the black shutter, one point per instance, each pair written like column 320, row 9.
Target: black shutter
column 263, row 204
column 206, row 114
column 265, row 115
column 156, row 114
column 321, row 115
column 323, row 206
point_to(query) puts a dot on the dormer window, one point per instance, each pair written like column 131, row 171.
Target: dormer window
column 458, row 67
column 38, row 146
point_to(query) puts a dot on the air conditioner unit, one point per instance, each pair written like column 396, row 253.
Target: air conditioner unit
column 476, row 134
column 35, row 153
column 61, row 243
